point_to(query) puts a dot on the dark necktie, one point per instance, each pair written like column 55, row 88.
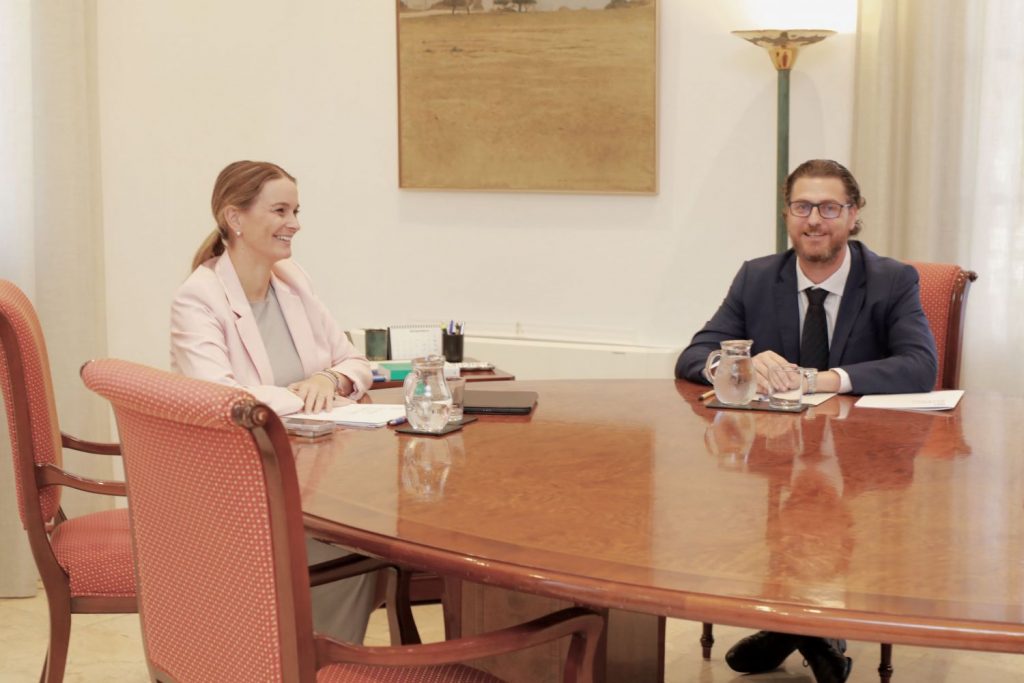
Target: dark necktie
column 814, row 340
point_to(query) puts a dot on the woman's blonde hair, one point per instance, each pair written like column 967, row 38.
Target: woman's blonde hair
column 237, row 185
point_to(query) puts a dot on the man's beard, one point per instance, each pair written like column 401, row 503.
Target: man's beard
column 826, row 256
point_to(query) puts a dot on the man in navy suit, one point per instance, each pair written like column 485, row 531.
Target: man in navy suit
column 878, row 338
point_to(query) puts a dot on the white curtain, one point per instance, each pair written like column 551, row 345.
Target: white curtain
column 51, row 230
column 939, row 150
column 17, row 573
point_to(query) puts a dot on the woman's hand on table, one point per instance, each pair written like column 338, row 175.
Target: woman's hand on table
column 316, row 392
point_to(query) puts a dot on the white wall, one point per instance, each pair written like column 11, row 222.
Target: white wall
column 188, row 86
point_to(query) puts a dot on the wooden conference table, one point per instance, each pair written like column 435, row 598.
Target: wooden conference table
column 875, row 525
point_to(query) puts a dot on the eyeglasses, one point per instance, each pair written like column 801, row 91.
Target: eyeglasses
column 825, row 209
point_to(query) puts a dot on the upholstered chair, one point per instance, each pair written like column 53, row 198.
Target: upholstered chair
column 944, row 289
column 217, row 532
column 84, row 562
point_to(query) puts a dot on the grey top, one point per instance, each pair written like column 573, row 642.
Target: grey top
column 284, row 358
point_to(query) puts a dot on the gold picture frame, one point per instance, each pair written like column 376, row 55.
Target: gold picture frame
column 528, row 95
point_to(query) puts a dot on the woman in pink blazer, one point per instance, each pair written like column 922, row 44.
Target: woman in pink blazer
column 243, row 282
column 247, row 316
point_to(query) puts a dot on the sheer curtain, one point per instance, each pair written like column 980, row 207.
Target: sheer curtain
column 17, row 573
column 939, row 149
column 51, row 231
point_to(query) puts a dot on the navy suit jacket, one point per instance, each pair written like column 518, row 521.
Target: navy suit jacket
column 881, row 337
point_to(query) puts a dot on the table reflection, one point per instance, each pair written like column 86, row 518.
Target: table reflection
column 815, row 465
column 425, row 464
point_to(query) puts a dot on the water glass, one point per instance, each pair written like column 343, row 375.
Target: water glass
column 787, row 387
column 457, row 385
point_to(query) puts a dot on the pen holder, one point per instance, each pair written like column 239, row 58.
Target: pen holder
column 451, row 344
column 376, row 344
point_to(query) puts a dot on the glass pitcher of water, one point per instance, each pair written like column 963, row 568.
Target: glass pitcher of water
column 428, row 401
column 733, row 379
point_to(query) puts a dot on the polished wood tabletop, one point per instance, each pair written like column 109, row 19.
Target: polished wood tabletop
column 876, row 525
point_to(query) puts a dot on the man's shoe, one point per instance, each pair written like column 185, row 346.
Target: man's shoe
column 826, row 659
column 763, row 651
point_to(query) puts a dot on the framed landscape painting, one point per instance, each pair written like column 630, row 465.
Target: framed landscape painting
column 542, row 95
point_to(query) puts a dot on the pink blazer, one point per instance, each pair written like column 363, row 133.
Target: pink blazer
column 214, row 334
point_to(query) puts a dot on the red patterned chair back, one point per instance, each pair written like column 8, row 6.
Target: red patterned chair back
column 944, row 289
column 216, row 527
column 29, row 401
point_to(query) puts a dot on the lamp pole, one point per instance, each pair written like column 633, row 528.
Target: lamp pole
column 782, row 46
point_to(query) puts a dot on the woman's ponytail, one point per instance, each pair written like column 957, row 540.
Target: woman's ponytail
column 212, row 246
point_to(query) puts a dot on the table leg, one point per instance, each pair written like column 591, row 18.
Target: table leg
column 633, row 650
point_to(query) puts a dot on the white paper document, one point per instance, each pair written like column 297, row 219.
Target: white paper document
column 361, row 414
column 932, row 400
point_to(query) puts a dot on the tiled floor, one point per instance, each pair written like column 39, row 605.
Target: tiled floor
column 108, row 648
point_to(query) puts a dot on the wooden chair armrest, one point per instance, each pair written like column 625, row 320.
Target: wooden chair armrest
column 51, row 475
column 401, row 624
column 344, row 567
column 582, row 624
column 68, row 441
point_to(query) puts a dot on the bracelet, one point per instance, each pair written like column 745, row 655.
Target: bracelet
column 331, row 375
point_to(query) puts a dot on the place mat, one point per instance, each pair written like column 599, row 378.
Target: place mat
column 449, row 428
column 757, row 405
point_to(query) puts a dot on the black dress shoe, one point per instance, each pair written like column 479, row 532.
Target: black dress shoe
column 826, row 658
column 763, row 651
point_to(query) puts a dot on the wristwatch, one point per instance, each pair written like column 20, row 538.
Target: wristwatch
column 810, row 380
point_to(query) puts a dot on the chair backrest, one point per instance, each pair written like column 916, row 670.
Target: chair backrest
column 944, row 289
column 30, row 404
column 216, row 528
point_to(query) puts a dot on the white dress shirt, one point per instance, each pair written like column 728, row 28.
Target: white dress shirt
column 834, row 284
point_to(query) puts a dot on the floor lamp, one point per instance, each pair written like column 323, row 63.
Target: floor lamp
column 782, row 47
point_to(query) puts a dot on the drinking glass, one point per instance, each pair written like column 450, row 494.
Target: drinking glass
column 457, row 385
column 787, row 387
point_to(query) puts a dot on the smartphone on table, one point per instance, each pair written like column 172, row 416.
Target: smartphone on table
column 311, row 429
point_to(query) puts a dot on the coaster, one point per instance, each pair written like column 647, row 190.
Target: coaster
column 449, row 428
column 466, row 419
column 758, row 405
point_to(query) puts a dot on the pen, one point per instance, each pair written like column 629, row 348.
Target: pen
column 706, row 395
column 397, row 420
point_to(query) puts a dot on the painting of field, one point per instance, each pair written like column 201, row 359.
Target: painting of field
column 549, row 95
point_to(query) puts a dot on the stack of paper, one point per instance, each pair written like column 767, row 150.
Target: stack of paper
column 361, row 414
column 932, row 400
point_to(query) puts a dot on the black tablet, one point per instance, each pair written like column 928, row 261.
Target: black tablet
column 488, row 402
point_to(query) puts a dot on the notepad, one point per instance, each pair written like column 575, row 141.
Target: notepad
column 361, row 414
column 931, row 400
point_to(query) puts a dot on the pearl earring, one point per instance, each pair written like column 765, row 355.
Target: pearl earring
column 238, row 233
